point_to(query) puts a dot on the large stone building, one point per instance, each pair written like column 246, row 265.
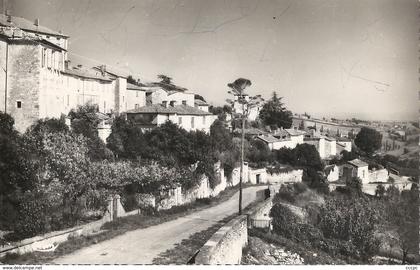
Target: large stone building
column 38, row 81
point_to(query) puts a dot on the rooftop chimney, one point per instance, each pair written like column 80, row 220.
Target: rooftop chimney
column 9, row 17
column 36, row 22
column 103, row 69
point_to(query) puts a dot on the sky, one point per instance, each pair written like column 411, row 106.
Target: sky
column 332, row 58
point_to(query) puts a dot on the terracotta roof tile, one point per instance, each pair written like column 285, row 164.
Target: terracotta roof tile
column 179, row 109
column 28, row 25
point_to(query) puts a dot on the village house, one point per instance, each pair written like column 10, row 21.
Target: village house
column 202, row 105
column 356, row 168
column 326, row 146
column 187, row 117
column 343, row 144
column 288, row 138
column 371, row 178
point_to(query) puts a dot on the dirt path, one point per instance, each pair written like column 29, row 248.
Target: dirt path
column 141, row 246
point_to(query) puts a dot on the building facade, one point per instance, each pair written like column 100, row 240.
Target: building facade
column 38, row 81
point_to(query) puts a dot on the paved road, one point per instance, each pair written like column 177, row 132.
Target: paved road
column 143, row 245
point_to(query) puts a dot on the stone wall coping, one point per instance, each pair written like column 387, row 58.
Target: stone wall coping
column 220, row 234
column 257, row 207
column 29, row 241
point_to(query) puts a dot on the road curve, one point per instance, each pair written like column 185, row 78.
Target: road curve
column 143, row 245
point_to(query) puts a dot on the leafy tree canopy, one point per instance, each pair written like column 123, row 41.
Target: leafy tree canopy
column 368, row 140
column 275, row 114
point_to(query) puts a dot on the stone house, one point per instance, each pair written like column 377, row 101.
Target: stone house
column 198, row 103
column 343, row 144
column 356, row 168
column 326, row 146
column 280, row 138
column 187, row 117
column 257, row 176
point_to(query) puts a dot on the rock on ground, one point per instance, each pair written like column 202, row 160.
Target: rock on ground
column 260, row 252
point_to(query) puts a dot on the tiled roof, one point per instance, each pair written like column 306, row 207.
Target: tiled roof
column 169, row 86
column 115, row 71
column 27, row 25
column 281, row 133
column 295, row 132
column 357, row 163
column 86, row 73
column 134, row 87
column 179, row 109
column 251, row 131
column 270, row 138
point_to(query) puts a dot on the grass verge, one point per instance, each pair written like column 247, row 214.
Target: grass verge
column 118, row 227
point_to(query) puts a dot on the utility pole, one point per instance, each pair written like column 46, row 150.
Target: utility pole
column 238, row 90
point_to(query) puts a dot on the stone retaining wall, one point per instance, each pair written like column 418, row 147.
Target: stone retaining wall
column 225, row 246
column 33, row 243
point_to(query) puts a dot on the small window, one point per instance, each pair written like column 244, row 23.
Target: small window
column 137, row 93
column 19, row 104
column 180, row 120
column 204, row 120
column 184, row 102
column 136, row 106
column 68, row 100
column 192, row 121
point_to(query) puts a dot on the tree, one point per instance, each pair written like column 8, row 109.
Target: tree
column 131, row 80
column 368, row 140
column 199, row 97
column 48, row 125
column 380, row 191
column 85, row 121
column 351, row 220
column 237, row 88
column 302, row 125
column 164, row 79
column 404, row 214
column 275, row 114
column 354, row 185
column 347, row 156
column 259, row 153
column 220, row 136
column 17, row 171
column 126, row 139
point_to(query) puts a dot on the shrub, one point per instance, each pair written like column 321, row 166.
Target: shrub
column 300, row 187
column 32, row 215
column 284, row 221
column 350, row 220
column 286, row 193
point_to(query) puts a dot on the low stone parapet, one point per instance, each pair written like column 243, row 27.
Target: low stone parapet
column 225, row 246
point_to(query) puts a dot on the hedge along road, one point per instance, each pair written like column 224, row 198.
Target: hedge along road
column 143, row 245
